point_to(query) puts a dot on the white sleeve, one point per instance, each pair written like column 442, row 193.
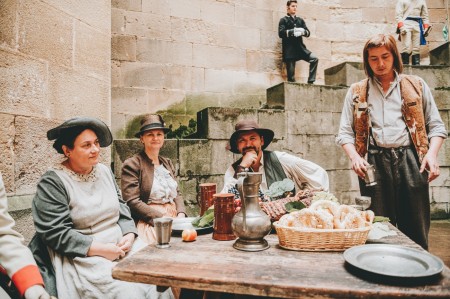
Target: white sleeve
column 346, row 133
column 302, row 171
column 229, row 180
column 433, row 121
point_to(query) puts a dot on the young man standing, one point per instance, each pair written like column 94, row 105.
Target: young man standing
column 291, row 30
column 394, row 120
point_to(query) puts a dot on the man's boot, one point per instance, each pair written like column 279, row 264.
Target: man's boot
column 416, row 59
column 405, row 58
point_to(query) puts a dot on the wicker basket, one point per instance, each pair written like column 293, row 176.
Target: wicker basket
column 320, row 239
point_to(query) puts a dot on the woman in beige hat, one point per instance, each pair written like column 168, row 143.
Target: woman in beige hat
column 148, row 180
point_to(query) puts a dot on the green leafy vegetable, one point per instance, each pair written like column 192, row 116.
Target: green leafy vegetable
column 278, row 189
column 380, row 219
column 206, row 220
column 324, row 195
column 294, row 206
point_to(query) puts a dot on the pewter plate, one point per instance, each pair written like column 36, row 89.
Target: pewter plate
column 180, row 224
column 393, row 260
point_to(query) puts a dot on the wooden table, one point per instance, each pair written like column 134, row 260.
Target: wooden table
column 212, row 265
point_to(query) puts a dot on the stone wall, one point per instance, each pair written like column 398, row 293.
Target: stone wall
column 178, row 57
column 305, row 119
column 55, row 58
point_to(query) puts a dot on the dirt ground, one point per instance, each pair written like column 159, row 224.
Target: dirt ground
column 439, row 240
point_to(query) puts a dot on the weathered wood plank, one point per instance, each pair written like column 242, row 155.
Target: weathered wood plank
column 207, row 264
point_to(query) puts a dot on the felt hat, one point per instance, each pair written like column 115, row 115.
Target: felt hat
column 249, row 125
column 100, row 128
column 151, row 122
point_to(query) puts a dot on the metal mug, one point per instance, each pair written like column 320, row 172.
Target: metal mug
column 369, row 178
column 163, row 230
column 363, row 201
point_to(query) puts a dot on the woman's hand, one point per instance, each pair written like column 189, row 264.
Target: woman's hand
column 126, row 242
column 36, row 292
column 109, row 251
column 181, row 215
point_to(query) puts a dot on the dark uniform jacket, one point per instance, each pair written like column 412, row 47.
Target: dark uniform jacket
column 293, row 47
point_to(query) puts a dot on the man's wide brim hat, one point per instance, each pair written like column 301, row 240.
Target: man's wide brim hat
column 249, row 125
column 100, row 128
column 151, row 122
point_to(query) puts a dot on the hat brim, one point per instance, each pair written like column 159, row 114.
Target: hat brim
column 100, row 128
column 265, row 133
column 138, row 134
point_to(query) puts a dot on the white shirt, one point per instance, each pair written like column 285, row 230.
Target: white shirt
column 300, row 171
column 164, row 187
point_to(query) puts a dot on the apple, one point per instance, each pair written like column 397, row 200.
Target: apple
column 189, row 235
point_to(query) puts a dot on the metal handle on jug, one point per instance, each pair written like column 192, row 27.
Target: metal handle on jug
column 240, row 185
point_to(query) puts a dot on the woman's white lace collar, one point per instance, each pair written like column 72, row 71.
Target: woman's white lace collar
column 90, row 177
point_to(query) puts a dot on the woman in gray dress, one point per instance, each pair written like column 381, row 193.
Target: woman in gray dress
column 81, row 219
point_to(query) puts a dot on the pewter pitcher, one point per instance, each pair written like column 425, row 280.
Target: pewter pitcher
column 250, row 224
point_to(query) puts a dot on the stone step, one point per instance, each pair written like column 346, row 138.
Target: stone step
column 306, row 97
column 440, row 55
column 346, row 73
column 324, row 98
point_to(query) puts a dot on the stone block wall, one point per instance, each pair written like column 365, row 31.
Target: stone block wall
column 55, row 63
column 205, row 159
column 177, row 57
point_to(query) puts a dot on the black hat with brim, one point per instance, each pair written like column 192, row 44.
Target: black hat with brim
column 100, row 128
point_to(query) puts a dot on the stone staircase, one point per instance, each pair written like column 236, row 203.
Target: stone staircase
column 305, row 119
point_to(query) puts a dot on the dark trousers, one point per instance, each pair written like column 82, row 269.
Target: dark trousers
column 401, row 192
column 313, row 62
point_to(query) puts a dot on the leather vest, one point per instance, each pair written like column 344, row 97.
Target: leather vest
column 412, row 112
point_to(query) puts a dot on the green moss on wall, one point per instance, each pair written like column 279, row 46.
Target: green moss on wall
column 178, row 130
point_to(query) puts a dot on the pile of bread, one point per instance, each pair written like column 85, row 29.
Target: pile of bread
column 327, row 214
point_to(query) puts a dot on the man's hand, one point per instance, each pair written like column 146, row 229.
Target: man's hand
column 402, row 30
column 430, row 164
column 249, row 158
column 36, row 292
column 359, row 165
column 126, row 242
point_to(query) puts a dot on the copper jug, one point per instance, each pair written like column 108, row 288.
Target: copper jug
column 207, row 190
column 223, row 214
column 250, row 224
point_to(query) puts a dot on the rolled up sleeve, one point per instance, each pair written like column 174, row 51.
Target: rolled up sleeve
column 346, row 133
column 433, row 121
